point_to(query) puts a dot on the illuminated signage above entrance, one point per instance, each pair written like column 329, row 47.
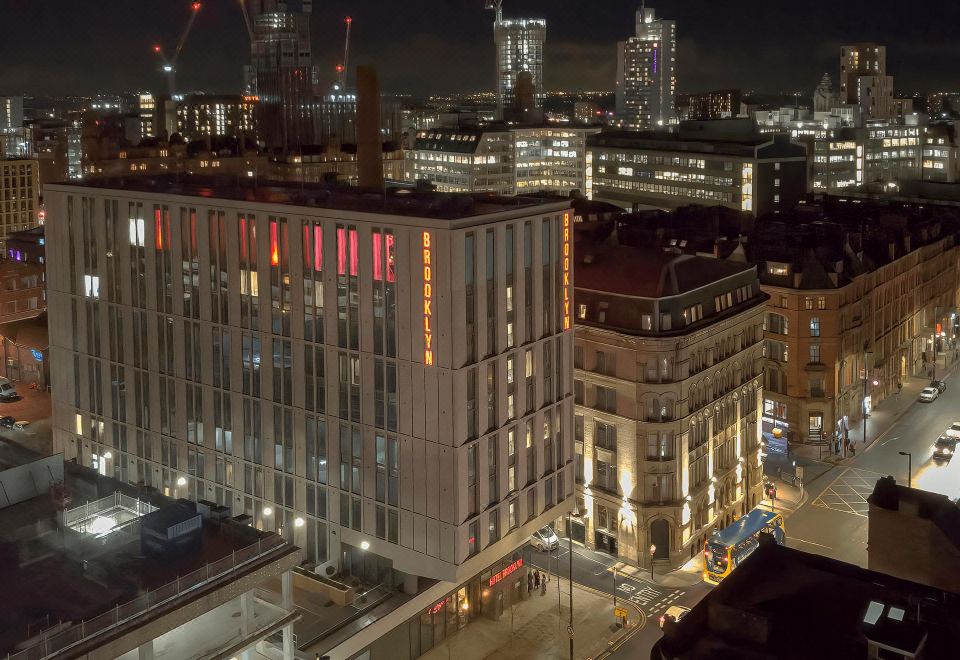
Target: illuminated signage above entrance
column 497, row 577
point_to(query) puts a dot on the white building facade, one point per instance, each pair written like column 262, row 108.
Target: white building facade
column 647, row 73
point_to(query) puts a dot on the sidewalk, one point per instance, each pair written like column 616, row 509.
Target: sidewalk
column 534, row 629
column 881, row 418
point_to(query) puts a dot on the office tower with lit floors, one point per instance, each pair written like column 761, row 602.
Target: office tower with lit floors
column 281, row 72
column 647, row 73
column 519, row 43
column 386, row 381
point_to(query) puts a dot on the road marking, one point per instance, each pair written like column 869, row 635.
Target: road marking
column 819, row 545
column 896, row 437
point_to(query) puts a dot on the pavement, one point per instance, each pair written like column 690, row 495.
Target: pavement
column 537, row 628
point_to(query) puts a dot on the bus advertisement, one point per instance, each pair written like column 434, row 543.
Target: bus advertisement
column 731, row 545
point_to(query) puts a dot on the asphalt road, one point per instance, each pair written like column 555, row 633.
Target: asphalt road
column 833, row 521
column 595, row 570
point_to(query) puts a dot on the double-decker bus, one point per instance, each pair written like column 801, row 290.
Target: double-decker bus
column 731, row 545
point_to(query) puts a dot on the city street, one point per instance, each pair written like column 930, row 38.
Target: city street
column 833, row 522
column 595, row 569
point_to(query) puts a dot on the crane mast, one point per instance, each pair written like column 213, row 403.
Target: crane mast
column 497, row 7
column 342, row 68
column 170, row 65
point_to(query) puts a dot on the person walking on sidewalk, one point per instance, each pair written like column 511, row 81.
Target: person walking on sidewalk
column 899, row 387
column 543, row 586
column 536, row 579
column 529, row 582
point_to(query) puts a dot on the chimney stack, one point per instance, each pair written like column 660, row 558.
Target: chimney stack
column 369, row 149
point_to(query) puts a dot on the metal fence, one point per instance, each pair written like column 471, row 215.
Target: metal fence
column 60, row 641
column 116, row 501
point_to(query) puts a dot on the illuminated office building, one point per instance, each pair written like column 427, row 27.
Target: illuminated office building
column 19, row 195
column 200, row 116
column 519, row 43
column 864, row 81
column 647, row 73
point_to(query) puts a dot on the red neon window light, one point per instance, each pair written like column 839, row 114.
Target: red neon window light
column 274, row 246
column 341, row 251
column 377, row 256
column 354, row 256
column 159, row 228
column 317, row 249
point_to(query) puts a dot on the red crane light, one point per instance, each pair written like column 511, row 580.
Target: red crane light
column 195, row 6
column 339, row 68
column 156, row 48
column 348, row 20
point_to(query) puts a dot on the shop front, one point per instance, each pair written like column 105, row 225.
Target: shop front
column 490, row 594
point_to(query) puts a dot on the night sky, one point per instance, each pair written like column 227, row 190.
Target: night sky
column 50, row 47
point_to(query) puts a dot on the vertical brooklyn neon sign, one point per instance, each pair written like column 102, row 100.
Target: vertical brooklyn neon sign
column 566, row 271
column 427, row 298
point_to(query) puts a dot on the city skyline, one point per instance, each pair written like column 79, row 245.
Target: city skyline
column 581, row 52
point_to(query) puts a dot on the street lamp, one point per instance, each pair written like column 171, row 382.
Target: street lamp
column 653, row 551
column 570, row 516
column 867, row 368
column 909, row 467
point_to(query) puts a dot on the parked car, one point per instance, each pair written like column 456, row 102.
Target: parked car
column 929, row 394
column 953, row 430
column 7, row 422
column 944, row 448
column 544, row 539
column 674, row 613
column 7, row 391
column 939, row 384
column 22, row 425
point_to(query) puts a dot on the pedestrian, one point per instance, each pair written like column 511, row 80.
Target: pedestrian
column 853, row 450
column 536, row 579
column 543, row 587
column 899, row 387
column 529, row 582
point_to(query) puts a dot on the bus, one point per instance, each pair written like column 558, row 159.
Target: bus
column 731, row 545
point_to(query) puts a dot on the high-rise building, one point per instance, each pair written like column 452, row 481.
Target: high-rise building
column 519, row 43
column 19, row 195
column 864, row 80
column 716, row 104
column 11, row 112
column 668, row 368
column 281, row 72
column 385, row 381
column 824, row 98
column 647, row 73
column 147, row 109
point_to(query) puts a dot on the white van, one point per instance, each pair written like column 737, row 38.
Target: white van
column 7, row 391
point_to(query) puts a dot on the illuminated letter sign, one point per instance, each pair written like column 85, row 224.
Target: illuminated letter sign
column 427, row 299
column 497, row 577
column 566, row 271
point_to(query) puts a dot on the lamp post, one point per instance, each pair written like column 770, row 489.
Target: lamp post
column 570, row 517
column 909, row 467
column 867, row 368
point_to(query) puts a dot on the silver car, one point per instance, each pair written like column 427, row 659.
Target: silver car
column 544, row 539
column 928, row 394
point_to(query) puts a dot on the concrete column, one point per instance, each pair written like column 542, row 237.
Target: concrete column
column 410, row 584
column 288, row 649
column 286, row 583
column 145, row 652
column 245, row 613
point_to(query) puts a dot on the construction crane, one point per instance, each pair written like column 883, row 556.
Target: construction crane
column 342, row 67
column 497, row 7
column 246, row 18
column 170, row 64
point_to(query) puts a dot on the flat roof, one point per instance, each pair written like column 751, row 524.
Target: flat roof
column 395, row 201
column 52, row 573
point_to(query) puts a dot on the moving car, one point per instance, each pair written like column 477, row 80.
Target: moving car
column 544, row 539
column 7, row 391
column 7, row 422
column 953, row 430
column 939, row 384
column 929, row 394
column 674, row 613
column 944, row 448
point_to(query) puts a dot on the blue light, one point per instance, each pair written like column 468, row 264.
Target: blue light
column 37, row 355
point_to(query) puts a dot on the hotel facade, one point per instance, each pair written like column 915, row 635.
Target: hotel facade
column 387, row 384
